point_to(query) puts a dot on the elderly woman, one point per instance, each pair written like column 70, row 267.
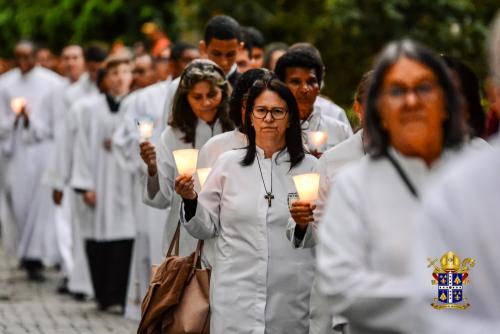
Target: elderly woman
column 200, row 111
column 412, row 120
column 259, row 283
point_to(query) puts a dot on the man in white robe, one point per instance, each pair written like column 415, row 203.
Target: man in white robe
column 23, row 142
column 302, row 71
column 57, row 104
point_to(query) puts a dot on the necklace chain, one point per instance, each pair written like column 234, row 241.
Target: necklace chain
column 269, row 194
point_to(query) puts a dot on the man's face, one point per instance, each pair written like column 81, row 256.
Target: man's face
column 243, row 60
column 305, row 87
column 119, row 79
column 143, row 72
column 187, row 56
column 221, row 52
column 257, row 60
column 73, row 62
column 45, row 58
column 25, row 57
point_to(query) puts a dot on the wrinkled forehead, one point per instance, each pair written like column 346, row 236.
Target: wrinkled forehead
column 408, row 71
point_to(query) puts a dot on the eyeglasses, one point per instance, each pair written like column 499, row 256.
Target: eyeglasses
column 425, row 91
column 276, row 113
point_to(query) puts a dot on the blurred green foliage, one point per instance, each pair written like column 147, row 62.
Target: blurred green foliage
column 348, row 33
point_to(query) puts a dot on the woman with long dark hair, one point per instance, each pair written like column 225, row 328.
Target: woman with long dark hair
column 413, row 122
column 259, row 283
column 200, row 111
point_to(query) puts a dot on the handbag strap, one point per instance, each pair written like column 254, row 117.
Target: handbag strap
column 402, row 175
column 175, row 241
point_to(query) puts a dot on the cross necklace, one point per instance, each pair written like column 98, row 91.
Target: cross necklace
column 269, row 194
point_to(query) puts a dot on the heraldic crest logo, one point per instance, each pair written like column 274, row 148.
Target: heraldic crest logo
column 450, row 278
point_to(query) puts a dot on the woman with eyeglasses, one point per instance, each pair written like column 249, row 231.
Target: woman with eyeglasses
column 259, row 283
column 413, row 124
column 199, row 112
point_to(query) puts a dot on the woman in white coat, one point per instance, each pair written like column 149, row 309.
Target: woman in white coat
column 259, row 283
column 200, row 111
column 412, row 119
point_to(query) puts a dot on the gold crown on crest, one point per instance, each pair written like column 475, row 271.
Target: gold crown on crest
column 450, row 262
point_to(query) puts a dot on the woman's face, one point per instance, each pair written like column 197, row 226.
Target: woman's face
column 411, row 107
column 119, row 79
column 204, row 99
column 270, row 118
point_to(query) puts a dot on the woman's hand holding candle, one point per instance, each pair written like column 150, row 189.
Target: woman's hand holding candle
column 184, row 186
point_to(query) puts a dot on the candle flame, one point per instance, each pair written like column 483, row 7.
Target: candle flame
column 146, row 129
column 18, row 104
column 317, row 139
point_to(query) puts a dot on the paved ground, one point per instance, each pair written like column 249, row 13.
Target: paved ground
column 27, row 307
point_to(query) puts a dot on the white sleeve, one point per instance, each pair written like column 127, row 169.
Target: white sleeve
column 126, row 138
column 370, row 299
column 151, row 194
column 307, row 241
column 205, row 224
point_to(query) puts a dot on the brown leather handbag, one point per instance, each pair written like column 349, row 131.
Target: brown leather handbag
column 177, row 300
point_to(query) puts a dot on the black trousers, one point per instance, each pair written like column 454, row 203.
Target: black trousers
column 109, row 263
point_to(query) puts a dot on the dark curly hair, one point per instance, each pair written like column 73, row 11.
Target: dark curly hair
column 183, row 117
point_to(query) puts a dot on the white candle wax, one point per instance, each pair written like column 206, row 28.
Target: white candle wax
column 316, row 140
column 307, row 186
column 186, row 160
column 18, row 104
column 202, row 175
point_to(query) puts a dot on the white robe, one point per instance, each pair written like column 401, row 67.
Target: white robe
column 147, row 250
column 259, row 284
column 171, row 140
column 79, row 278
column 330, row 109
column 98, row 170
column 317, row 121
column 26, row 149
column 331, row 162
column 460, row 213
column 364, row 241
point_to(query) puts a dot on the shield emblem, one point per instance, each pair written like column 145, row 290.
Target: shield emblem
column 450, row 288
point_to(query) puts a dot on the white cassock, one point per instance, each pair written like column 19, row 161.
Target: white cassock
column 171, row 140
column 365, row 239
column 318, row 121
column 56, row 105
column 330, row 109
column 29, row 202
column 147, row 103
column 58, row 176
column 259, row 283
column 329, row 165
column 97, row 169
column 460, row 213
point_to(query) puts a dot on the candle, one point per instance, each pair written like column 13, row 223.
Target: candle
column 18, row 104
column 316, row 140
column 307, row 186
column 146, row 128
column 186, row 160
column 202, row 175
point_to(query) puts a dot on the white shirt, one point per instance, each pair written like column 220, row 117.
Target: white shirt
column 330, row 109
column 460, row 213
column 364, row 241
column 317, row 121
column 259, row 284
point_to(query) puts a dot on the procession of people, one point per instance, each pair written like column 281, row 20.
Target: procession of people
column 312, row 221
